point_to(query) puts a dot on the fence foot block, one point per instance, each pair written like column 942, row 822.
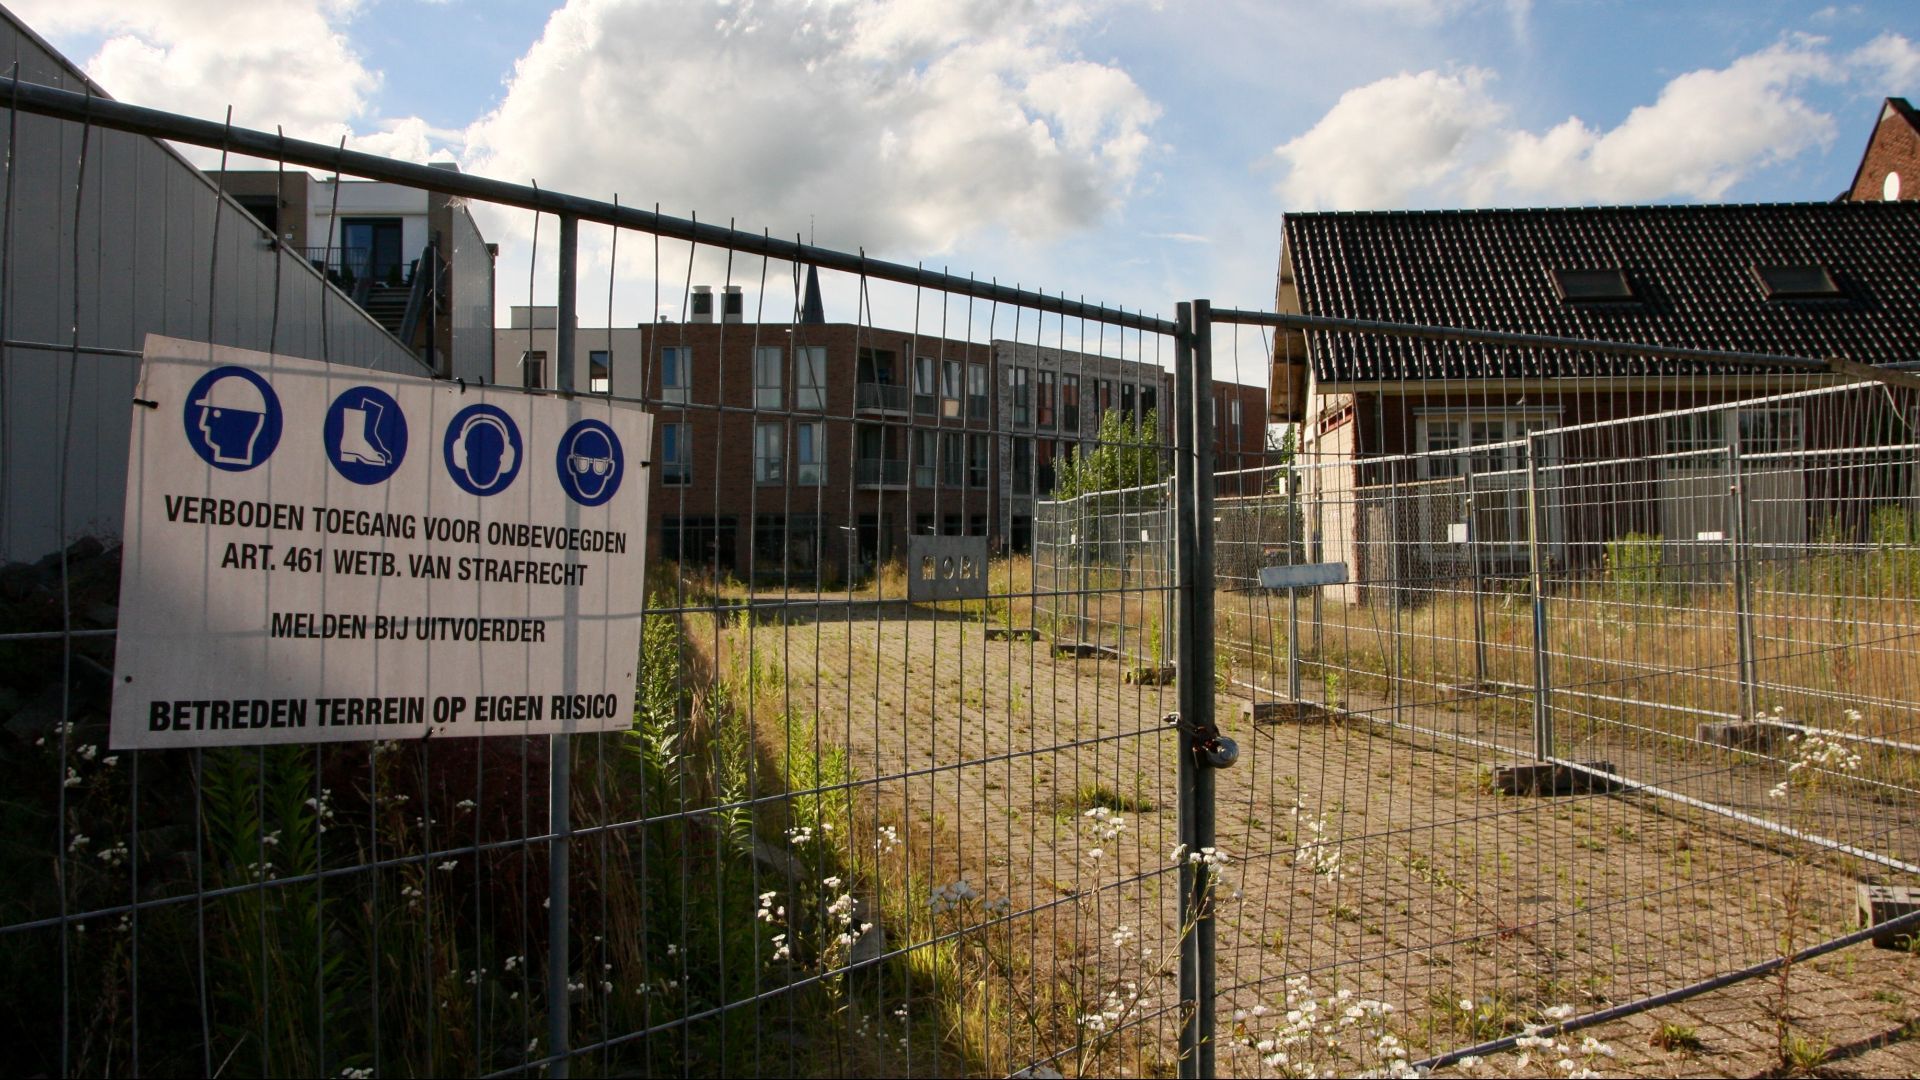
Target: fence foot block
column 1283, row 712
column 1757, row 736
column 1879, row 903
column 1151, row 675
column 1548, row 778
column 1467, row 690
column 1085, row 650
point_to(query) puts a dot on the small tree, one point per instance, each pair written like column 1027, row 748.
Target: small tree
column 1123, row 456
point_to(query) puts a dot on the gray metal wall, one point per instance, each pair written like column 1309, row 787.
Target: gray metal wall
column 472, row 296
column 144, row 230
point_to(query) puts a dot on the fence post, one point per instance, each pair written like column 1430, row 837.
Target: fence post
column 1396, row 553
column 559, row 746
column 1473, row 572
column 1193, row 474
column 1542, row 681
column 1742, row 600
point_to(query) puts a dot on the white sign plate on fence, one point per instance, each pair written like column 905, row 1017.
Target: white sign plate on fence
column 1713, row 535
column 1456, row 532
column 319, row 553
column 1303, row 575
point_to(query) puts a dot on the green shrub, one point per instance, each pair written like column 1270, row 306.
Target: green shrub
column 1636, row 566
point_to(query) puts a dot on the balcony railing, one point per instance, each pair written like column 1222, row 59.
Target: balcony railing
column 880, row 472
column 883, row 397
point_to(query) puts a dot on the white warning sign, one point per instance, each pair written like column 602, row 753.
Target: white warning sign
column 318, row 553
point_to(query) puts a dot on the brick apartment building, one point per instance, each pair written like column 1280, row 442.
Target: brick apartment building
column 812, row 449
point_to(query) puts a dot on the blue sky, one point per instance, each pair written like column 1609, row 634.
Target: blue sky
column 1134, row 153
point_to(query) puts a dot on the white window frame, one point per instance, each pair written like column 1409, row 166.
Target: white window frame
column 676, row 454
column 676, row 373
column 810, row 453
column 769, row 453
column 769, row 386
column 926, row 452
column 810, row 378
column 600, row 384
column 952, row 385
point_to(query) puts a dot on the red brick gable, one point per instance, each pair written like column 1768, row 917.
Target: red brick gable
column 1893, row 148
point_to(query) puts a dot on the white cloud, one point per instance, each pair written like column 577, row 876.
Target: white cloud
column 902, row 126
column 1445, row 139
column 1890, row 62
column 276, row 62
column 1382, row 143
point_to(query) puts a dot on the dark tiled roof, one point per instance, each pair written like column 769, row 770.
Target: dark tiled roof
column 1690, row 266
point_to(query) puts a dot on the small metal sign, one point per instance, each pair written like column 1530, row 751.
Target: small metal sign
column 1303, row 575
column 947, row 568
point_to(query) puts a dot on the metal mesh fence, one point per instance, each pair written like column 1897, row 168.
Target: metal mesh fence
column 1592, row 715
column 1597, row 716
column 852, row 830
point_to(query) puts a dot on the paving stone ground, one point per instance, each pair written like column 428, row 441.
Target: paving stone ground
column 1427, row 888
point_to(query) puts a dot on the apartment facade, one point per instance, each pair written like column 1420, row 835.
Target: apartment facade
column 813, row 449
column 414, row 260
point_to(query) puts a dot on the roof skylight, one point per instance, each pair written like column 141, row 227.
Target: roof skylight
column 1591, row 285
column 1797, row 282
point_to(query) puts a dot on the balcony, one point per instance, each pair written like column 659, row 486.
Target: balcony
column 882, row 397
column 880, row 474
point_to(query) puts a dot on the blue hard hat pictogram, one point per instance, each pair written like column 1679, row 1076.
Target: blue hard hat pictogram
column 365, row 435
column 590, row 462
column 232, row 418
column 483, row 450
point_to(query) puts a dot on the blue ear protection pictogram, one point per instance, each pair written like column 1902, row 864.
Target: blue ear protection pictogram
column 466, row 457
column 505, row 467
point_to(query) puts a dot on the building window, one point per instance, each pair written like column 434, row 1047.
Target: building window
column 925, row 387
column 533, row 370
column 977, row 525
column 1043, row 468
column 1126, row 400
column 1022, row 465
column 1070, row 403
column 923, row 524
column 676, row 362
column 785, row 545
column 1103, row 399
column 1045, row 396
column 950, row 389
column 810, row 378
column 977, row 461
column 676, row 457
column 950, row 525
column 1149, row 402
column 952, row 446
column 600, row 371
column 767, row 390
column 769, row 453
column 977, row 391
column 1020, row 380
column 1233, row 420
column 810, row 453
column 925, row 447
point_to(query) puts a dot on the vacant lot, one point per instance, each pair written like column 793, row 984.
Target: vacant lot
column 1365, row 857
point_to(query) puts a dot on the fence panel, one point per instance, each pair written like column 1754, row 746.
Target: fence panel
column 852, row 830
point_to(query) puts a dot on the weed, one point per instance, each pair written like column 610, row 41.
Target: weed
column 1677, row 1038
column 1801, row 1054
